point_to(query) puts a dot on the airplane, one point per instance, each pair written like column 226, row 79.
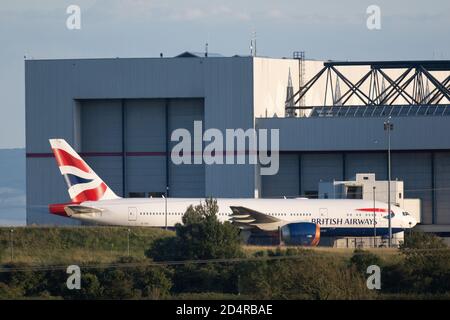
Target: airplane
column 296, row 221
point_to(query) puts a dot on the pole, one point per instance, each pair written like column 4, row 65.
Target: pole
column 165, row 204
column 388, row 127
column 128, row 242
column 239, row 284
column 279, row 236
column 374, row 220
column 12, row 245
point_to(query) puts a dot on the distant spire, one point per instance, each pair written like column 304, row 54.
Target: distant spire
column 337, row 93
column 253, row 44
column 290, row 97
column 254, row 40
column 290, row 80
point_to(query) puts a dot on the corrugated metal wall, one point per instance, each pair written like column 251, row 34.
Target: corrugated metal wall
column 101, row 137
column 137, row 127
column 229, row 104
column 286, row 182
column 368, row 162
column 442, row 185
column 145, row 145
column 319, row 167
column 415, row 170
column 186, row 180
column 59, row 91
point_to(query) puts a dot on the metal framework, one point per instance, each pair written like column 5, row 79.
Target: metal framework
column 415, row 91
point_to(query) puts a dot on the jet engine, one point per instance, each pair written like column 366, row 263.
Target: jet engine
column 301, row 233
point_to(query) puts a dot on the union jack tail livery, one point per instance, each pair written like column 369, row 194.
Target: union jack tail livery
column 82, row 182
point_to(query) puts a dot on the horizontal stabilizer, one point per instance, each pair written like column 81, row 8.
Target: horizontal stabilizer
column 73, row 210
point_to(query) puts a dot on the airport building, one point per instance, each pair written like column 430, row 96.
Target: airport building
column 120, row 114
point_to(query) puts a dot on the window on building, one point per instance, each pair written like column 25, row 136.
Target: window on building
column 156, row 194
column 136, row 195
column 312, row 194
column 354, row 192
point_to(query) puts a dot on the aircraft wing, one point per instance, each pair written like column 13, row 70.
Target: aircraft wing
column 246, row 218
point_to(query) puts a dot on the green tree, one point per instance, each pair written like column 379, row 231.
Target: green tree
column 30, row 282
column 201, row 236
column 118, row 284
column 90, row 287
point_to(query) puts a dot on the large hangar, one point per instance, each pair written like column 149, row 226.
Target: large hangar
column 119, row 114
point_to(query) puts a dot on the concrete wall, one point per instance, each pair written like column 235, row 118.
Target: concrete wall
column 270, row 83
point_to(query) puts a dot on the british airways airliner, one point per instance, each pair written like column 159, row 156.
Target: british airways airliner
column 299, row 221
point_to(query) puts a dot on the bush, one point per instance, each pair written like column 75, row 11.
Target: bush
column 29, row 282
column 2, row 249
column 362, row 259
column 425, row 267
column 306, row 276
column 205, row 278
column 201, row 236
column 7, row 292
column 422, row 240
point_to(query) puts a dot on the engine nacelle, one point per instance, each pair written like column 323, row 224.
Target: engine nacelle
column 301, row 233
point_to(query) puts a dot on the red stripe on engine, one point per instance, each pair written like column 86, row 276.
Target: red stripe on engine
column 66, row 159
column 316, row 239
column 372, row 210
column 91, row 194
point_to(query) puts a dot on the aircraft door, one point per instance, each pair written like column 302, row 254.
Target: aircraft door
column 323, row 213
column 132, row 214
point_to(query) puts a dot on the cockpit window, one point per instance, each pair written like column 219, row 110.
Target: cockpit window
column 392, row 215
column 406, row 213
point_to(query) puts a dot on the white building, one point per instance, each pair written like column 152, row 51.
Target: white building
column 366, row 187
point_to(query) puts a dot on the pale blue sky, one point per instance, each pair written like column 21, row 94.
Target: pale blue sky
column 136, row 28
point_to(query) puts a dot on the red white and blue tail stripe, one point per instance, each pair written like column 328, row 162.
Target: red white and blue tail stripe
column 82, row 182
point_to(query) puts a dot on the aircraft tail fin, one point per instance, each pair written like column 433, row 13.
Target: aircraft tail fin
column 82, row 182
